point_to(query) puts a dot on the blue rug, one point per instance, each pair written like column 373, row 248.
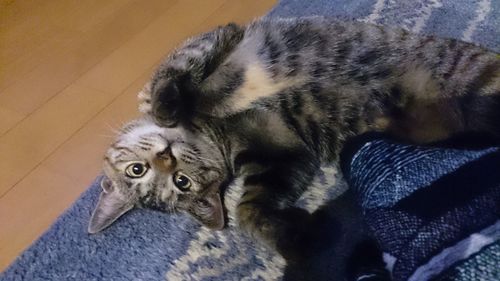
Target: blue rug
column 476, row 21
column 393, row 183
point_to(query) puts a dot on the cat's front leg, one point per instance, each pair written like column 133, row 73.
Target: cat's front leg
column 272, row 184
column 173, row 95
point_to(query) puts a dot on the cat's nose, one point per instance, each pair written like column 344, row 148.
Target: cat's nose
column 165, row 159
column 166, row 153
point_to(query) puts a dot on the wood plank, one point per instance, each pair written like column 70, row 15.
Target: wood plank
column 133, row 58
column 46, row 72
column 25, row 146
column 34, row 56
column 8, row 118
column 24, row 214
column 23, row 25
column 27, row 27
column 240, row 12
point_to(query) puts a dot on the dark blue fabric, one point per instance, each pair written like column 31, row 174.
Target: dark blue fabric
column 420, row 201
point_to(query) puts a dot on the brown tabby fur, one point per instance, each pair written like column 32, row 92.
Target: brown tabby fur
column 277, row 98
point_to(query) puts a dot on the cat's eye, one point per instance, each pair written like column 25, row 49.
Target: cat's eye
column 181, row 181
column 136, row 170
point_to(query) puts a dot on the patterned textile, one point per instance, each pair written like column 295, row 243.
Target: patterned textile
column 432, row 210
column 147, row 245
column 476, row 21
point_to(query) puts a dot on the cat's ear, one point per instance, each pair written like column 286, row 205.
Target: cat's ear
column 106, row 185
column 110, row 207
column 209, row 211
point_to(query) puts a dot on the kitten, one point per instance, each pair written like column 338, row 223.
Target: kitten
column 272, row 101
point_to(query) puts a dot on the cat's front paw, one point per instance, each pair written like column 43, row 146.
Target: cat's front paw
column 174, row 99
column 166, row 103
column 161, row 102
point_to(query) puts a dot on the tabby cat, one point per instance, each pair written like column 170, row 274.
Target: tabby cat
column 270, row 102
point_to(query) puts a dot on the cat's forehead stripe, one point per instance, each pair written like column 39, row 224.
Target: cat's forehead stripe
column 110, row 164
column 139, row 131
column 121, row 149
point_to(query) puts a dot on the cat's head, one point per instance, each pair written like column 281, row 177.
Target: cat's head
column 167, row 169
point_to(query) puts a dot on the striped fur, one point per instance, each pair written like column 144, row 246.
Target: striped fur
column 294, row 90
column 418, row 88
column 280, row 97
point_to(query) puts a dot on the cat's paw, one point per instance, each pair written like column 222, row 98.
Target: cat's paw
column 171, row 99
column 162, row 102
column 166, row 105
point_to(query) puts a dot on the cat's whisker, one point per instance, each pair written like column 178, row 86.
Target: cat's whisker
column 206, row 160
column 115, row 130
column 107, row 136
column 196, row 155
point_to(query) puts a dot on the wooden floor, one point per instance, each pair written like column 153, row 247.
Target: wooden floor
column 69, row 73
